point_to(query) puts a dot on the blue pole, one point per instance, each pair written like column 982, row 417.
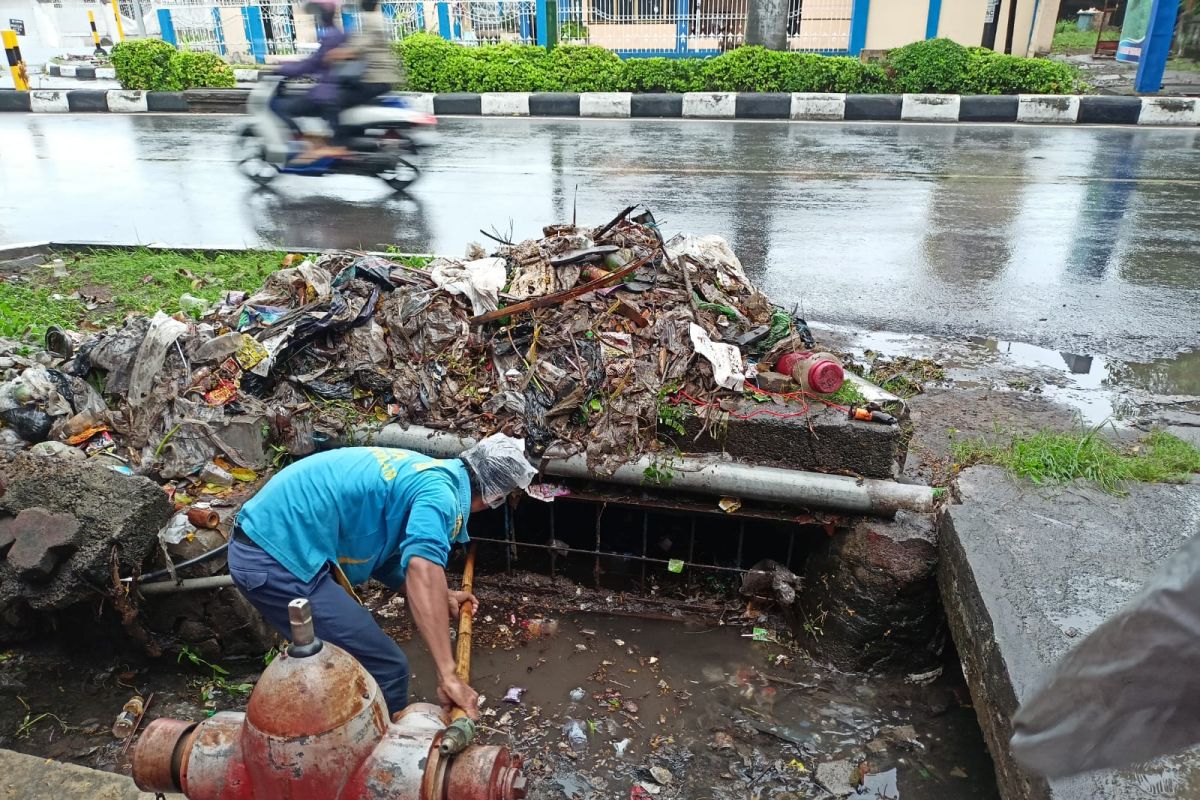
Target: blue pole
column 681, row 25
column 1157, row 47
column 420, row 16
column 349, row 21
column 219, row 31
column 256, row 33
column 543, row 24
column 934, row 17
column 443, row 12
column 524, row 23
column 858, row 26
column 166, row 27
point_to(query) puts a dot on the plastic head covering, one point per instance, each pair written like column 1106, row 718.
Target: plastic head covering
column 324, row 10
column 499, row 465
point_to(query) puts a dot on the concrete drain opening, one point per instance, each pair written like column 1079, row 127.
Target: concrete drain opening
column 739, row 648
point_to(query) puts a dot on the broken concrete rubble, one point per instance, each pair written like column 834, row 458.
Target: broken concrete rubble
column 108, row 520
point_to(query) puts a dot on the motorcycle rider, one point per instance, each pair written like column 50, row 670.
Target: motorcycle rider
column 370, row 64
column 323, row 99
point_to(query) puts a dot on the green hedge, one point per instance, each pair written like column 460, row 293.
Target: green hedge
column 433, row 64
column 153, row 65
column 142, row 63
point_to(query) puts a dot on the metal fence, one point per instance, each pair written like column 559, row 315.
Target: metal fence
column 675, row 28
column 695, row 27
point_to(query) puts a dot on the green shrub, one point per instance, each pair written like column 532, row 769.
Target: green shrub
column 995, row 73
column 190, row 70
column 498, row 68
column 663, row 75
column 746, row 69
column 585, row 69
column 808, row 72
column 142, row 63
column 423, row 58
column 936, row 65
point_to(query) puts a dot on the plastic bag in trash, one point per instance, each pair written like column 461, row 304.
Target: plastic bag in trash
column 1128, row 692
column 28, row 422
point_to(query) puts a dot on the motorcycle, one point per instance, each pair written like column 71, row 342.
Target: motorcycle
column 385, row 138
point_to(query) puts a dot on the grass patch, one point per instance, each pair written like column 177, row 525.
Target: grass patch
column 1069, row 39
column 140, row 281
column 1047, row 457
column 1183, row 65
column 848, row 395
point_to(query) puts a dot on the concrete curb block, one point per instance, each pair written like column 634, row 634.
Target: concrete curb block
column 1043, row 108
column 554, row 104
column 810, row 105
column 1034, row 109
column 1170, row 111
column 504, row 104
column 126, row 102
column 930, row 107
column 48, row 101
column 710, row 105
column 605, row 104
column 988, row 108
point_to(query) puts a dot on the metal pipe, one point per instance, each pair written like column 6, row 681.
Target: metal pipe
column 188, row 585
column 158, row 574
column 746, row 481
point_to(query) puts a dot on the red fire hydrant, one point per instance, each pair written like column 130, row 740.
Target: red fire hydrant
column 316, row 728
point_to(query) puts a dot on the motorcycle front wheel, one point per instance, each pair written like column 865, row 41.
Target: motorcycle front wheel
column 251, row 157
column 403, row 171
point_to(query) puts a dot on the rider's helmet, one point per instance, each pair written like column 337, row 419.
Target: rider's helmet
column 324, row 10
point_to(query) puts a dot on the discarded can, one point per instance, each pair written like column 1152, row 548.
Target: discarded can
column 128, row 718
column 203, row 517
column 576, row 734
column 577, row 695
column 214, row 474
column 540, row 626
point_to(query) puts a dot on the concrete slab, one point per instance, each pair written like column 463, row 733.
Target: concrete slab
column 1026, row 572
column 464, row 103
column 32, row 778
column 988, row 108
column 656, row 105
column 1110, row 110
column 874, row 106
column 822, row 441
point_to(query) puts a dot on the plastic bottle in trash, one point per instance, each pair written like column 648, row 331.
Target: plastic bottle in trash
column 193, row 306
column 128, row 717
column 540, row 626
column 576, row 734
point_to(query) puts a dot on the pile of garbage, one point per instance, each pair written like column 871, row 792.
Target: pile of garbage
column 574, row 341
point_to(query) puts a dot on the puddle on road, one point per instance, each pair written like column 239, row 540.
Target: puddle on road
column 716, row 711
column 1098, row 388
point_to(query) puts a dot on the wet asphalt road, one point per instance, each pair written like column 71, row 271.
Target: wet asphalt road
column 1075, row 238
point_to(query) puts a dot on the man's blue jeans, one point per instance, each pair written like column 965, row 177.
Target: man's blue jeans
column 337, row 618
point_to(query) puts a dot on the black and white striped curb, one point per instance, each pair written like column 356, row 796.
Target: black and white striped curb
column 1086, row 109
column 85, row 73
column 108, row 73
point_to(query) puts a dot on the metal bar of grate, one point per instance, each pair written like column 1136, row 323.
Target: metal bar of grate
column 598, row 555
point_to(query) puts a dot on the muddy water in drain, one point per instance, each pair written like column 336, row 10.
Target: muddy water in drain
column 714, row 709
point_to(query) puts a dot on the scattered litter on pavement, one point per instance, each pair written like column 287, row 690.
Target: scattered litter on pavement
column 514, row 695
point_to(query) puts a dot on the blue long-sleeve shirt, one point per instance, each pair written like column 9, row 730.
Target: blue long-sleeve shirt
column 317, row 66
column 369, row 509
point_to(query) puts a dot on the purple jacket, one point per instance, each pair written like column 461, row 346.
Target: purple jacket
column 326, row 89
